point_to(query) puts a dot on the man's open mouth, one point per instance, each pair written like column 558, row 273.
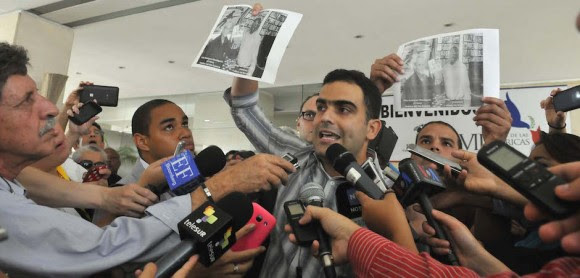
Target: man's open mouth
column 328, row 135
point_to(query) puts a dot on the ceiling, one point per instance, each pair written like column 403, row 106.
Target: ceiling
column 538, row 39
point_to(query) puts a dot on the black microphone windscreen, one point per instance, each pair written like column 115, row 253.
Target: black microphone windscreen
column 311, row 192
column 339, row 157
column 405, row 161
column 210, row 161
column 238, row 206
column 334, row 151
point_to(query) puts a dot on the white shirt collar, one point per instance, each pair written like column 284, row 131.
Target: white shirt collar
column 145, row 164
column 12, row 186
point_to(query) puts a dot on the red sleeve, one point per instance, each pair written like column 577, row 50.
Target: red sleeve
column 372, row 255
column 561, row 267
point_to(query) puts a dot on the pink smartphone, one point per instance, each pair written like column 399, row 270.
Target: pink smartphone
column 264, row 221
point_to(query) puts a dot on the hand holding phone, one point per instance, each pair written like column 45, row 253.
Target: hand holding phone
column 528, row 177
column 264, row 222
column 567, row 100
column 86, row 112
column 305, row 234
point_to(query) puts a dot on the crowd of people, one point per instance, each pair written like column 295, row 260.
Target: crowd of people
column 70, row 214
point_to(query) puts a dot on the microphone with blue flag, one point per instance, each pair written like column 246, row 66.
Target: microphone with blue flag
column 184, row 173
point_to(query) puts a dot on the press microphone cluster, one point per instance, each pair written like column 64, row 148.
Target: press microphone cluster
column 415, row 184
column 184, row 173
column 414, row 180
column 209, row 231
column 345, row 163
column 313, row 194
column 347, row 204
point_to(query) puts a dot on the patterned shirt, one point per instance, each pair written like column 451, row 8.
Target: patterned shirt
column 283, row 257
column 372, row 255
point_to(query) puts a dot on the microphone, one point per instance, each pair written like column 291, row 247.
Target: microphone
column 208, row 231
column 313, row 194
column 185, row 173
column 345, row 163
column 391, row 172
column 210, row 161
column 416, row 183
column 414, row 180
column 347, row 204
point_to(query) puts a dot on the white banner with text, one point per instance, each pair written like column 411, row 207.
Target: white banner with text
column 523, row 104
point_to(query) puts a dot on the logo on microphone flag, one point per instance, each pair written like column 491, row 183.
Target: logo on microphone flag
column 226, row 240
column 209, row 216
column 179, row 170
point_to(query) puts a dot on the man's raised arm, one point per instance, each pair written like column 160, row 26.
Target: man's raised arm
column 243, row 87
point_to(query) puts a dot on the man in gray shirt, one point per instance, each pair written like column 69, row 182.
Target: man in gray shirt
column 48, row 242
column 347, row 113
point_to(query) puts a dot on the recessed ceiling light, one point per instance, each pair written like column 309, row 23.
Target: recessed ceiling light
column 121, row 67
column 448, row 24
column 358, row 36
column 207, row 121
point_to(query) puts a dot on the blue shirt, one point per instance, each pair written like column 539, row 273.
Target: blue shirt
column 44, row 241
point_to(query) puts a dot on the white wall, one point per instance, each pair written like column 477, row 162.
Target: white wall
column 49, row 44
column 8, row 24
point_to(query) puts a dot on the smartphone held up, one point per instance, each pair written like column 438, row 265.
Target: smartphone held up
column 104, row 95
column 568, row 99
column 93, row 98
column 86, row 112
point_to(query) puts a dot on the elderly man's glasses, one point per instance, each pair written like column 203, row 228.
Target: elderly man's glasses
column 87, row 164
column 308, row 115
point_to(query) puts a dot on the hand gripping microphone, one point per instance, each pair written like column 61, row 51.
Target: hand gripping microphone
column 313, row 194
column 416, row 183
column 185, row 173
column 345, row 163
column 208, row 231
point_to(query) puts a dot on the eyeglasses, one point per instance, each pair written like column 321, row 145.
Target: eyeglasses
column 87, row 164
column 308, row 115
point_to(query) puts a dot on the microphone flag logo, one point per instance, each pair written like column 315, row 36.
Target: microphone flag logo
column 208, row 217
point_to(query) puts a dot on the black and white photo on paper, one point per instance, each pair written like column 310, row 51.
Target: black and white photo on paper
column 223, row 49
column 268, row 32
column 240, row 44
column 444, row 71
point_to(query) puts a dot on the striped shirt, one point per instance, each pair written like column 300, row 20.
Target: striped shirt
column 372, row 255
column 283, row 257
